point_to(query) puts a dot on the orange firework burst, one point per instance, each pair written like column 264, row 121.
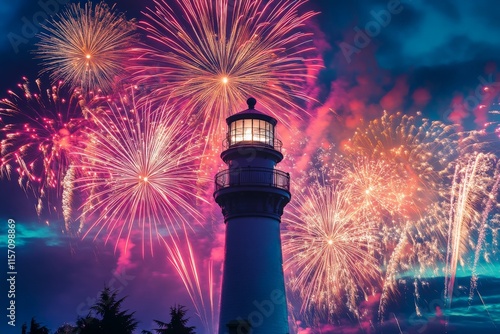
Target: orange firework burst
column 422, row 151
column 86, row 46
column 375, row 185
column 212, row 55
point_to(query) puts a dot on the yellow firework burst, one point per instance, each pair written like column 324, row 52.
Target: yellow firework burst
column 86, row 46
column 213, row 55
column 329, row 251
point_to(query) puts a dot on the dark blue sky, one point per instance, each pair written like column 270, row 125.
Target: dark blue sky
column 428, row 55
column 441, row 46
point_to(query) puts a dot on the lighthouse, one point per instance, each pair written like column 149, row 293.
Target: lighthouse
column 252, row 194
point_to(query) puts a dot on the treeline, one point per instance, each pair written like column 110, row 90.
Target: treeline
column 107, row 317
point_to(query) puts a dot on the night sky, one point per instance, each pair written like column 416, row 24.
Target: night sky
column 428, row 56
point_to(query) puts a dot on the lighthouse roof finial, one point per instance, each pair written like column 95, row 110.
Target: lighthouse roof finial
column 251, row 103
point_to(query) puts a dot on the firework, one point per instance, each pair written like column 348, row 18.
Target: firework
column 212, row 55
column 422, row 150
column 419, row 154
column 428, row 208
column 375, row 186
column 385, row 193
column 139, row 172
column 43, row 128
column 86, row 46
column 473, row 198
column 386, row 168
column 183, row 259
column 329, row 251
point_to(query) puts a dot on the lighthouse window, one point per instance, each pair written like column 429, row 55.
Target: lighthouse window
column 259, row 130
column 237, row 131
column 269, row 134
column 264, row 132
column 251, row 130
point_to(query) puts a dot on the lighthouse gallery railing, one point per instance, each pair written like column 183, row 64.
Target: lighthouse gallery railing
column 252, row 176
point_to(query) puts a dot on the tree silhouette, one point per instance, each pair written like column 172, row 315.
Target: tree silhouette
column 66, row 329
column 35, row 328
column 177, row 324
column 106, row 316
column 88, row 325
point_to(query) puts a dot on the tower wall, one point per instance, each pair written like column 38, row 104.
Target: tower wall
column 253, row 285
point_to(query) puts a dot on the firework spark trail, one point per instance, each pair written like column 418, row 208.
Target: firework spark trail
column 486, row 309
column 86, row 46
column 389, row 285
column 139, row 172
column 467, row 191
column 491, row 199
column 329, row 252
column 45, row 126
column 67, row 196
column 186, row 266
column 447, row 270
column 397, row 322
column 213, row 55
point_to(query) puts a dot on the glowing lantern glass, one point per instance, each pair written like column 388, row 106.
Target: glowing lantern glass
column 251, row 127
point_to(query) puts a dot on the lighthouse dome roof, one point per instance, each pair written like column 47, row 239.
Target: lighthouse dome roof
column 251, row 113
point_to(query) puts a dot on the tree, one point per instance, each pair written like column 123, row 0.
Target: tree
column 35, row 328
column 106, row 316
column 177, row 324
column 88, row 325
column 66, row 329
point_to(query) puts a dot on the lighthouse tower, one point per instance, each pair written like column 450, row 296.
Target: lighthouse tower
column 252, row 195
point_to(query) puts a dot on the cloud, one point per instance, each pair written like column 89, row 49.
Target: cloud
column 124, row 262
column 29, row 232
column 447, row 8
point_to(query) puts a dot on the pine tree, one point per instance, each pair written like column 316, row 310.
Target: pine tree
column 106, row 316
column 88, row 325
column 35, row 328
column 177, row 324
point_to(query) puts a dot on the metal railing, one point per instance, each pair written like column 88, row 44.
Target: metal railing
column 252, row 176
column 277, row 144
